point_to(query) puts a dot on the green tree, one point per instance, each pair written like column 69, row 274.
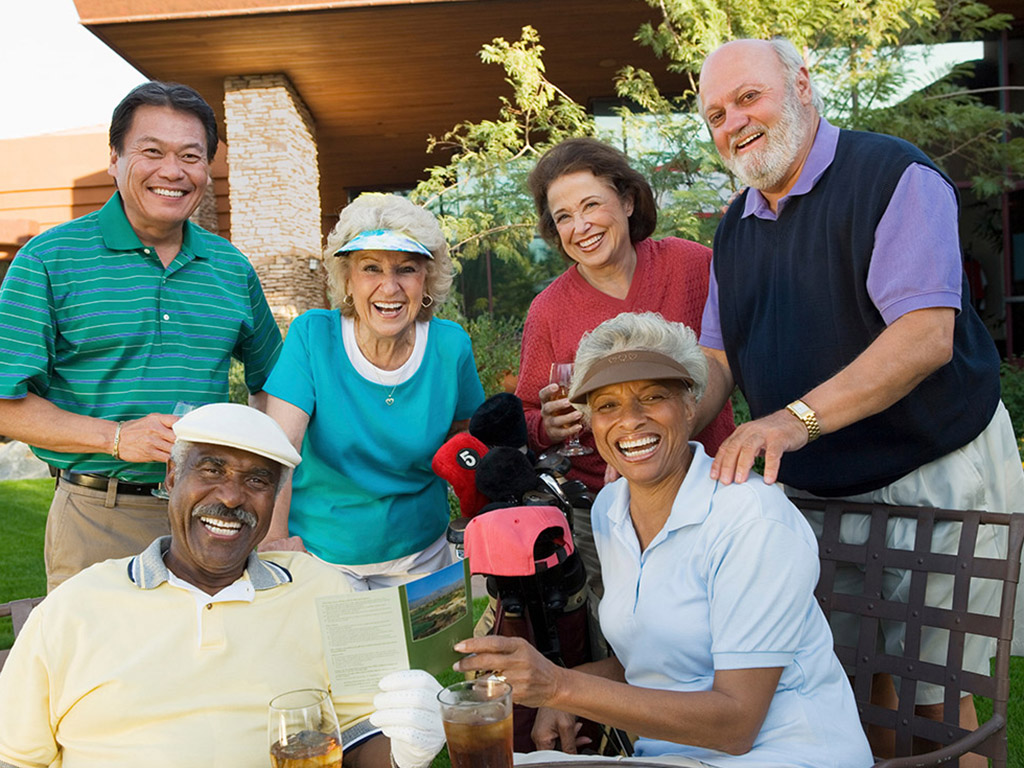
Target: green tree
column 480, row 194
column 857, row 52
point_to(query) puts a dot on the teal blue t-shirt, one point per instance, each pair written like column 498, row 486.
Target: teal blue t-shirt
column 365, row 492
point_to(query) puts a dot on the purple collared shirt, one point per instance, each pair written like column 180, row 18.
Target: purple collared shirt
column 915, row 263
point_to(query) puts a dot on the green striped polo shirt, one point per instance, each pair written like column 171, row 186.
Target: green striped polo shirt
column 91, row 321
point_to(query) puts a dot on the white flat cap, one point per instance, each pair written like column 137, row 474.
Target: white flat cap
column 238, row 426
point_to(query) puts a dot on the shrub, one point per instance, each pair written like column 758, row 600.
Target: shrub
column 496, row 343
column 740, row 409
column 237, row 391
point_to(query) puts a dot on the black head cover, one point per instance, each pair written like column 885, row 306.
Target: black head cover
column 500, row 421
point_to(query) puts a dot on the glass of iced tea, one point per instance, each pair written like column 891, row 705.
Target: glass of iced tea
column 303, row 730
column 477, row 717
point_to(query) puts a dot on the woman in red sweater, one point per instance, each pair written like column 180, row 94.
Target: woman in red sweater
column 600, row 214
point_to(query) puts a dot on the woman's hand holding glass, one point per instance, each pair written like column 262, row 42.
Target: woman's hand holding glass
column 561, row 421
column 533, row 678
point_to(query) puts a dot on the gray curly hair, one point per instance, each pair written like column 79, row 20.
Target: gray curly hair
column 634, row 331
column 374, row 210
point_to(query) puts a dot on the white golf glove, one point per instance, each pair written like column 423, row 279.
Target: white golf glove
column 408, row 713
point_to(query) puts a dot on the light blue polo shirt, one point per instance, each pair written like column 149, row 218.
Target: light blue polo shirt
column 365, row 492
column 728, row 583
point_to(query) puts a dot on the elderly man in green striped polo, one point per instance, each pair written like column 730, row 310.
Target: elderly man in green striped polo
column 113, row 319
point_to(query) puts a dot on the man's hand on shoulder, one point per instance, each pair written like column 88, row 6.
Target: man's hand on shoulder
column 769, row 436
column 147, row 439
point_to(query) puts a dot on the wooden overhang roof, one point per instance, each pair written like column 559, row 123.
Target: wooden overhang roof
column 378, row 76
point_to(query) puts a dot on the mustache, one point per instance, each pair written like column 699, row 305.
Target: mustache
column 222, row 511
column 746, row 133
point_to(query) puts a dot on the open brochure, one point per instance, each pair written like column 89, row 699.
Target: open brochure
column 414, row 626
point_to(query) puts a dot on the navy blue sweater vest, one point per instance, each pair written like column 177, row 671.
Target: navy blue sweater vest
column 795, row 310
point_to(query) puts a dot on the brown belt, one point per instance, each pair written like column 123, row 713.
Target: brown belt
column 100, row 483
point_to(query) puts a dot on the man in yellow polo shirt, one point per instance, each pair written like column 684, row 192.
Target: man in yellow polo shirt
column 171, row 657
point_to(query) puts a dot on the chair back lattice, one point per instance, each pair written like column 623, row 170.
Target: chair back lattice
column 875, row 557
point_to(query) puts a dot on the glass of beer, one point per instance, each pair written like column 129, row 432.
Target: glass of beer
column 303, row 730
column 477, row 717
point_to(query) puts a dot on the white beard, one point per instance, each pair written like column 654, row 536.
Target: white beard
column 767, row 166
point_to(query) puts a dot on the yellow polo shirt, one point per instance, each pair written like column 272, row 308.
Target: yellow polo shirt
column 120, row 667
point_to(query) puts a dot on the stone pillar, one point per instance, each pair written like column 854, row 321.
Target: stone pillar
column 206, row 214
column 274, row 184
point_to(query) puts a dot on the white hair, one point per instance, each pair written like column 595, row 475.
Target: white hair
column 791, row 60
column 640, row 330
column 181, row 449
column 375, row 210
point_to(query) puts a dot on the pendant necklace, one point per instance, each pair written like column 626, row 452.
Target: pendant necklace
column 390, row 399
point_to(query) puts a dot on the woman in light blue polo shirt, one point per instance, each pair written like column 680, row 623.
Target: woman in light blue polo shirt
column 368, row 392
column 721, row 654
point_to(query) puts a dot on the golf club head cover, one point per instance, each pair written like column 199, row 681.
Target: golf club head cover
column 500, row 421
column 456, row 462
column 504, row 475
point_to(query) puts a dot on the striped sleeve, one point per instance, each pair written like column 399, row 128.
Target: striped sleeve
column 260, row 346
column 27, row 328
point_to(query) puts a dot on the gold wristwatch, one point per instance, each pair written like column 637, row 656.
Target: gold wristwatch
column 802, row 411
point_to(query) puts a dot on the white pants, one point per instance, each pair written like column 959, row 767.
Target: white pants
column 392, row 573
column 985, row 474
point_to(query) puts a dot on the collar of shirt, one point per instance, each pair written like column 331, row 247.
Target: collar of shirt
column 118, row 234
column 240, row 591
column 823, row 152
column 148, row 570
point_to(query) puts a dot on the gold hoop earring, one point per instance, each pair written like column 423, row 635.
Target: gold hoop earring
column 425, row 301
column 347, row 301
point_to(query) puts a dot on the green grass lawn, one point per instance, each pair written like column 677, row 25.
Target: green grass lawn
column 23, row 505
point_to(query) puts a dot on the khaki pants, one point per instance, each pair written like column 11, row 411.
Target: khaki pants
column 85, row 526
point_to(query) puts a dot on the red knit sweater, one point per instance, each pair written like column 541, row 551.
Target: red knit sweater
column 671, row 277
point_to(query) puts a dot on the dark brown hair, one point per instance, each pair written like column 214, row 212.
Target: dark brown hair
column 605, row 162
column 158, row 94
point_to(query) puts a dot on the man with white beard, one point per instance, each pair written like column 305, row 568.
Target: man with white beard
column 838, row 305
